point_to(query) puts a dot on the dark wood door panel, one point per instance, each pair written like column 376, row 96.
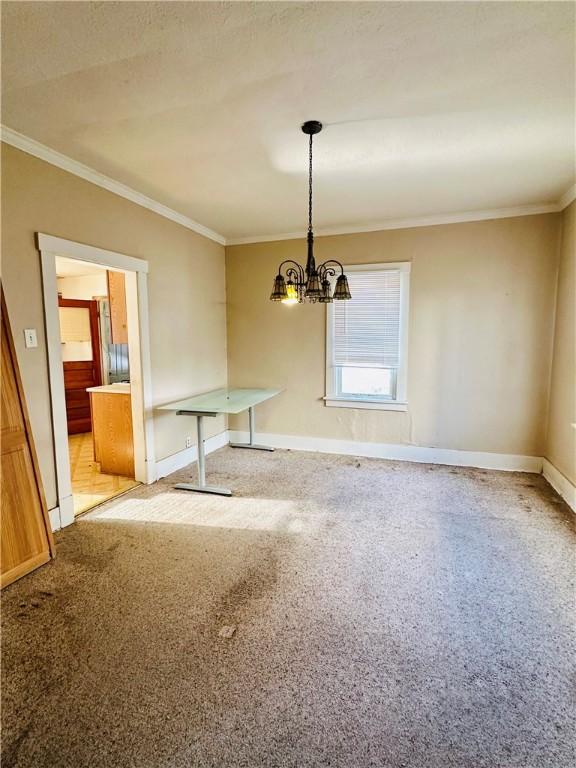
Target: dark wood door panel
column 79, row 379
column 80, row 365
column 78, row 411
column 79, row 426
column 75, row 396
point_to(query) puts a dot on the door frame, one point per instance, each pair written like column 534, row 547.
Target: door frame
column 136, row 271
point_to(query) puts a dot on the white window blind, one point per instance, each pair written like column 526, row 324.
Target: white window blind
column 367, row 327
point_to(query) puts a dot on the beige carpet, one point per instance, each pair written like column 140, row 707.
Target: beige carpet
column 380, row 613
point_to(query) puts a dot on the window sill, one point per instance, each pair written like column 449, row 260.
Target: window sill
column 376, row 405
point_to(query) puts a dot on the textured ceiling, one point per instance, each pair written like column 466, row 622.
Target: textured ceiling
column 430, row 107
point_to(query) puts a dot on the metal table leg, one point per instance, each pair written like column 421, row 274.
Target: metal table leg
column 202, row 487
column 252, row 444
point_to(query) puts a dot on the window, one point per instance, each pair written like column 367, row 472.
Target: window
column 367, row 337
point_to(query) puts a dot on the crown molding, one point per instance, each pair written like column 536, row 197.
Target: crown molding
column 422, row 221
column 568, row 197
column 33, row 147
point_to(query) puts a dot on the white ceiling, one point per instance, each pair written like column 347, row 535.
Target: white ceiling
column 72, row 268
column 431, row 108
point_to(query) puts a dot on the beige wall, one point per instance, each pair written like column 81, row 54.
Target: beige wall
column 186, row 290
column 561, row 437
column 480, row 336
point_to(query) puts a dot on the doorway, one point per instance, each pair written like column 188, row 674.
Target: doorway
column 96, row 312
column 95, row 360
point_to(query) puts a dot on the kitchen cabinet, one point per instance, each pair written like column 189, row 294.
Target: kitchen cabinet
column 111, row 408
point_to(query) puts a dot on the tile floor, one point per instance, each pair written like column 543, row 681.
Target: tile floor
column 91, row 487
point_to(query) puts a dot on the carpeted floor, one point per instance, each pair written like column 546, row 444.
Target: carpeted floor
column 385, row 614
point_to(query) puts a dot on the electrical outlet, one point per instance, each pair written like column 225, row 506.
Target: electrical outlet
column 188, row 442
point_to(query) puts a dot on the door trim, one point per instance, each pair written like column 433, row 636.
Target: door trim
column 136, row 271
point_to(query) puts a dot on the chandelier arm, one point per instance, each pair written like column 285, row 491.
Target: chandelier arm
column 293, row 274
column 299, row 272
column 324, row 271
column 324, row 267
column 289, row 261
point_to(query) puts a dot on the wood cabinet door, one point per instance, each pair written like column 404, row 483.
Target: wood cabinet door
column 118, row 312
column 112, row 433
column 26, row 536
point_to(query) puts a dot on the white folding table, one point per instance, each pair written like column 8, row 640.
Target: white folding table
column 220, row 401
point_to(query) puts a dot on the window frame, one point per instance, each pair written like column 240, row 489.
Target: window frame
column 399, row 402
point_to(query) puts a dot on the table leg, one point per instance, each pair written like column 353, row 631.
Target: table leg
column 202, row 487
column 252, row 444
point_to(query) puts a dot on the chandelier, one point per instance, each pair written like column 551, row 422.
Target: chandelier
column 310, row 283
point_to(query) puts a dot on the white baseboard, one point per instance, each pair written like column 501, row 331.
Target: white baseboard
column 181, row 459
column 54, row 515
column 560, row 483
column 66, row 511
column 483, row 460
column 63, row 514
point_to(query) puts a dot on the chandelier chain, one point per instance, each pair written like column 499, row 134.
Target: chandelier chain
column 310, row 185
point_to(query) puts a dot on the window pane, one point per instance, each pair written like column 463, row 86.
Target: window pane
column 74, row 324
column 374, row 382
column 75, row 333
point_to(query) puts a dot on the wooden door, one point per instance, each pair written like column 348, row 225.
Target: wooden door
column 118, row 311
column 81, row 374
column 26, row 536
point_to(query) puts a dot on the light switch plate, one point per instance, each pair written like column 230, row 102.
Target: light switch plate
column 30, row 338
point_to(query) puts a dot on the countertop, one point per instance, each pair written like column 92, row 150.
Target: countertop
column 111, row 389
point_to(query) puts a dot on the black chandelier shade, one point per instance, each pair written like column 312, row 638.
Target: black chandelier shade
column 279, row 292
column 342, row 291
column 310, row 283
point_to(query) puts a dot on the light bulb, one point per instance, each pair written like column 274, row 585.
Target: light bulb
column 291, row 294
